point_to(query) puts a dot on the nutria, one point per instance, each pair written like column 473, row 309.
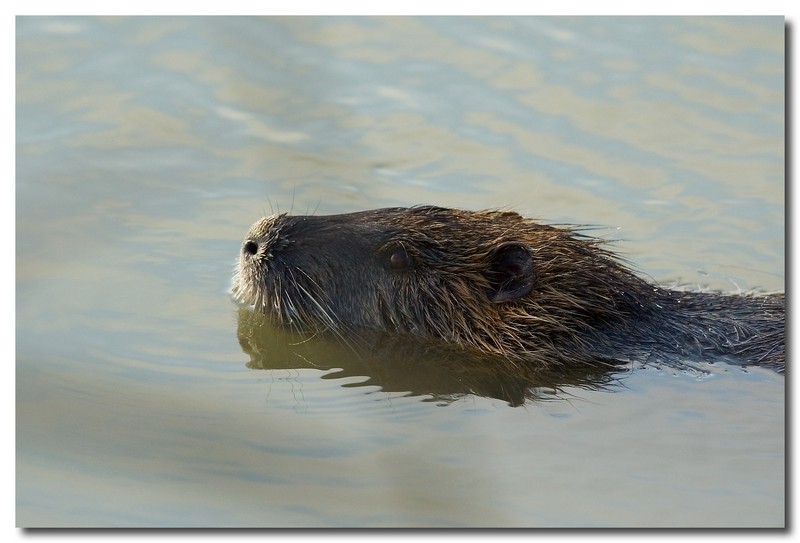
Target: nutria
column 491, row 282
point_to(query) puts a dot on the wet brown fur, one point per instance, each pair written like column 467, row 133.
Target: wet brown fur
column 492, row 282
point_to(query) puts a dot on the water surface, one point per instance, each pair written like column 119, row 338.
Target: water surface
column 147, row 146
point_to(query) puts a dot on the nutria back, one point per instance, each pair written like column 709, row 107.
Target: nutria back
column 491, row 282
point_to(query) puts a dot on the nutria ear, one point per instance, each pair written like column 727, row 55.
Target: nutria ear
column 510, row 272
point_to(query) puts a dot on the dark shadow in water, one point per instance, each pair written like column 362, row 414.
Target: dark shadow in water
column 403, row 364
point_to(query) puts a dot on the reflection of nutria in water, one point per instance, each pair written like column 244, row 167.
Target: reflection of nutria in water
column 428, row 368
column 491, row 282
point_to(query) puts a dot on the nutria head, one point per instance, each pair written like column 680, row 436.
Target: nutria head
column 491, row 280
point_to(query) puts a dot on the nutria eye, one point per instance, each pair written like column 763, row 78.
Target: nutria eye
column 399, row 259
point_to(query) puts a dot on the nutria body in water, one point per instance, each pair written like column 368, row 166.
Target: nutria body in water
column 491, row 282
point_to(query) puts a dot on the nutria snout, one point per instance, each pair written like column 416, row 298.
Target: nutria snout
column 492, row 282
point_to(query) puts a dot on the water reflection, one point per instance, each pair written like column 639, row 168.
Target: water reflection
column 403, row 364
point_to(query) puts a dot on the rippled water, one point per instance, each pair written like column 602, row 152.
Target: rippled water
column 147, row 146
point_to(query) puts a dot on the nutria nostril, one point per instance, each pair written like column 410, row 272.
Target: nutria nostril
column 496, row 283
column 250, row 247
